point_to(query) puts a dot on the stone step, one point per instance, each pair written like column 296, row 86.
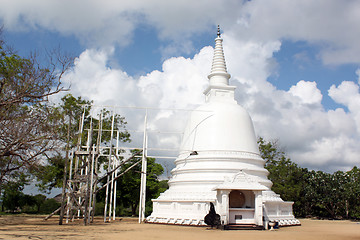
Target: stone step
column 243, row 227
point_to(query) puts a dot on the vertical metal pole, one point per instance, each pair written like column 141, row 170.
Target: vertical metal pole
column 88, row 184
column 111, row 164
column 111, row 193
column 98, row 151
column 87, row 191
column 81, row 127
column 117, row 164
column 143, row 175
column 98, row 141
column 106, row 197
column 91, row 184
column 70, row 178
column 88, row 141
column 117, row 142
column 94, row 188
column 80, row 186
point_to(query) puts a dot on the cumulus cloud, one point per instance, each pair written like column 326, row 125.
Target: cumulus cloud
column 110, row 22
column 91, row 77
column 358, row 74
column 331, row 25
column 307, row 92
column 181, row 81
column 89, row 21
column 98, row 23
column 347, row 93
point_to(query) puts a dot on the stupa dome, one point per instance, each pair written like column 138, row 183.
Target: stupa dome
column 219, row 126
column 219, row 141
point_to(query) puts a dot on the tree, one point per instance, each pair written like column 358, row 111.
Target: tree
column 68, row 114
column 39, row 200
column 128, row 185
column 70, row 111
column 287, row 177
column 352, row 188
column 334, row 195
column 269, row 151
column 315, row 193
column 12, row 196
column 28, row 125
column 322, row 193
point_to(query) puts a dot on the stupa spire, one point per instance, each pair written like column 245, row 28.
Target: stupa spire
column 218, row 75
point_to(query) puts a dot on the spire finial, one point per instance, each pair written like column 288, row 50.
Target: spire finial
column 219, row 74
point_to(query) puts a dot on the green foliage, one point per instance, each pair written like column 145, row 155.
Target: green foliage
column 315, row 193
column 51, row 174
column 352, row 187
column 15, row 201
column 48, row 206
column 12, row 197
column 334, row 195
column 28, row 126
column 69, row 113
column 287, row 177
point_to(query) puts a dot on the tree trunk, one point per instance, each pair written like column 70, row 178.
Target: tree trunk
column 330, row 209
column 133, row 209
column 347, row 208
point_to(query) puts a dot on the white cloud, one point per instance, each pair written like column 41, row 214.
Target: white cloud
column 92, row 78
column 331, row 25
column 347, row 93
column 97, row 23
column 181, row 82
column 358, row 74
column 92, row 22
column 307, row 92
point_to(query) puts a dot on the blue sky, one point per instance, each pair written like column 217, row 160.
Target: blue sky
column 296, row 64
column 299, row 60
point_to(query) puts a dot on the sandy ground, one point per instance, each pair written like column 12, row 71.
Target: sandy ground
column 34, row 227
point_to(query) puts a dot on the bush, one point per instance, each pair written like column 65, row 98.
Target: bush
column 49, row 206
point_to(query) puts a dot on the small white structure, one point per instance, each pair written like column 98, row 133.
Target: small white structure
column 219, row 162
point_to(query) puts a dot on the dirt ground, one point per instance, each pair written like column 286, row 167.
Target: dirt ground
column 34, row 227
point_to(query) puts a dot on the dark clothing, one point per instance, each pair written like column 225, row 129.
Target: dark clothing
column 212, row 218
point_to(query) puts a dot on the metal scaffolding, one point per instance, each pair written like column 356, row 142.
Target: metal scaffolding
column 82, row 174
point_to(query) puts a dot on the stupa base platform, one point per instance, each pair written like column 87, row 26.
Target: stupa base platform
column 286, row 222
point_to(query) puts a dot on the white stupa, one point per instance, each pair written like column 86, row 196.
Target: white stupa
column 219, row 162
